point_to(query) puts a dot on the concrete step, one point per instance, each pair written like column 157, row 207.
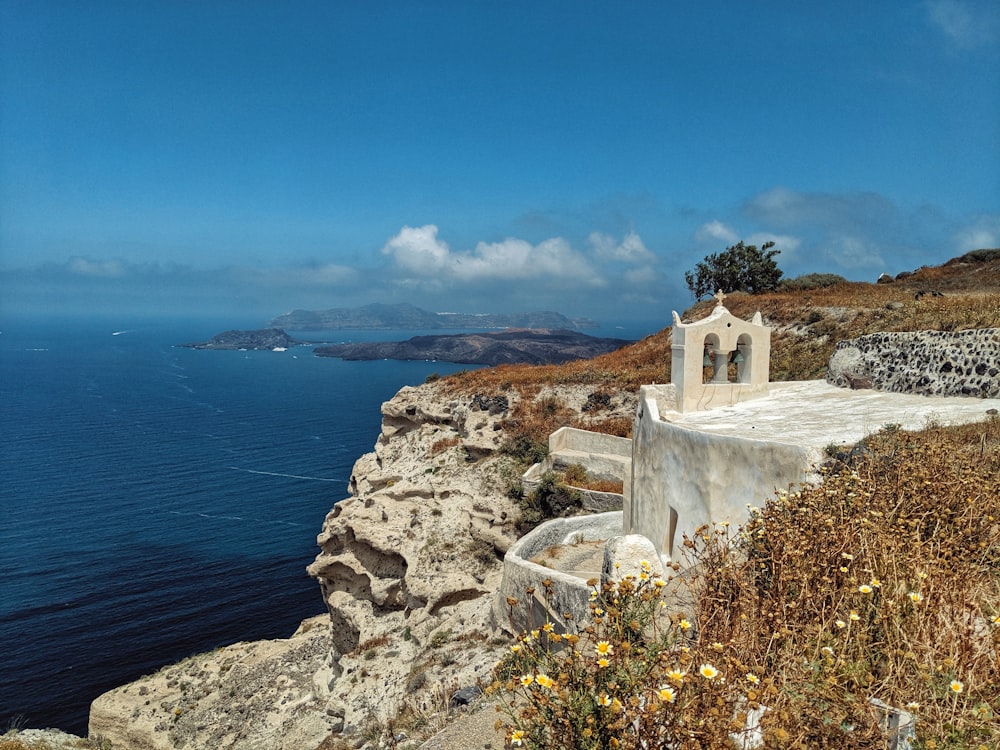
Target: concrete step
column 598, row 465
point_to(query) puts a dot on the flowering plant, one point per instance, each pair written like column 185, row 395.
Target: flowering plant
column 879, row 587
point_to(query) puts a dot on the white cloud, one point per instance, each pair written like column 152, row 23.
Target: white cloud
column 419, row 251
column 964, row 23
column 109, row 269
column 716, row 230
column 984, row 233
column 630, row 250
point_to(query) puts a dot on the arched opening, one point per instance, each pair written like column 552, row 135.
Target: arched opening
column 743, row 358
column 713, row 363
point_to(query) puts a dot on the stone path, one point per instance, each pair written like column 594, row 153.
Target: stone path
column 473, row 730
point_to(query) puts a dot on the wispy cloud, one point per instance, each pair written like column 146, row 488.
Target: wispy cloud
column 983, row 233
column 716, row 230
column 965, row 24
column 784, row 208
column 630, row 250
column 309, row 275
column 854, row 253
column 109, row 269
column 862, row 232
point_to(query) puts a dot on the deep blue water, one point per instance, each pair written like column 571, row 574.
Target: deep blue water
column 156, row 502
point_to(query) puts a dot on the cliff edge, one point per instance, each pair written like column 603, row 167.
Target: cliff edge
column 408, row 566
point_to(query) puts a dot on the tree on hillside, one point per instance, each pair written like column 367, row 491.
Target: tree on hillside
column 740, row 268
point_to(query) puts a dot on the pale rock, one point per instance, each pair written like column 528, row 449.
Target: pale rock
column 408, row 566
column 259, row 695
column 624, row 555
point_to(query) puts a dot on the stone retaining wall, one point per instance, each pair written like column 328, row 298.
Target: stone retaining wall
column 930, row 363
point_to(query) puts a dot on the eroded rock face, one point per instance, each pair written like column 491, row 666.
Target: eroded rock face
column 411, row 561
column 260, row 695
column 931, row 363
column 408, row 567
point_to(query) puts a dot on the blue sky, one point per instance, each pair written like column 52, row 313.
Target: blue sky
column 245, row 158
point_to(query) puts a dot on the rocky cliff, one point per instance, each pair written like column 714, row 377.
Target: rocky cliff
column 408, row 566
column 410, row 562
column 263, row 338
column 524, row 346
column 404, row 316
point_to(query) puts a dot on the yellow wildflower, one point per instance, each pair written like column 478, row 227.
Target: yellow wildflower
column 603, row 648
column 603, row 663
column 517, row 738
column 854, row 616
column 840, row 624
column 916, row 597
column 956, row 686
column 604, row 699
column 708, row 671
column 548, row 627
column 752, row 678
column 864, row 588
column 666, row 694
column 527, row 679
column 544, row 680
column 684, row 625
column 675, row 675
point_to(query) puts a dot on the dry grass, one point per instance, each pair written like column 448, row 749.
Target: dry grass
column 884, row 582
column 807, row 326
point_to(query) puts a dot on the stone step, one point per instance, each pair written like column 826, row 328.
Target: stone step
column 598, row 465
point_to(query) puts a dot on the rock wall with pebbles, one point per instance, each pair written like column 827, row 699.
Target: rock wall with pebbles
column 931, row 363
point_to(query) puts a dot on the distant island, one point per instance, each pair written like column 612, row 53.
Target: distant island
column 404, row 316
column 512, row 346
column 261, row 339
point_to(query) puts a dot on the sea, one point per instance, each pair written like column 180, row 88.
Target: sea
column 157, row 501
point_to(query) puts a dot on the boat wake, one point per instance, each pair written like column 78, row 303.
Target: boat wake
column 278, row 474
column 231, row 518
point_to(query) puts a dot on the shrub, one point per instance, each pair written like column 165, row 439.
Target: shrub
column 525, row 449
column 739, row 268
column 882, row 583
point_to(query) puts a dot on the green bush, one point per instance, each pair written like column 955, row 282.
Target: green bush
column 741, row 268
column 525, row 449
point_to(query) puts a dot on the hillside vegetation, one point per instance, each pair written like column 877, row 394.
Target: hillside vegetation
column 807, row 321
column 878, row 588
